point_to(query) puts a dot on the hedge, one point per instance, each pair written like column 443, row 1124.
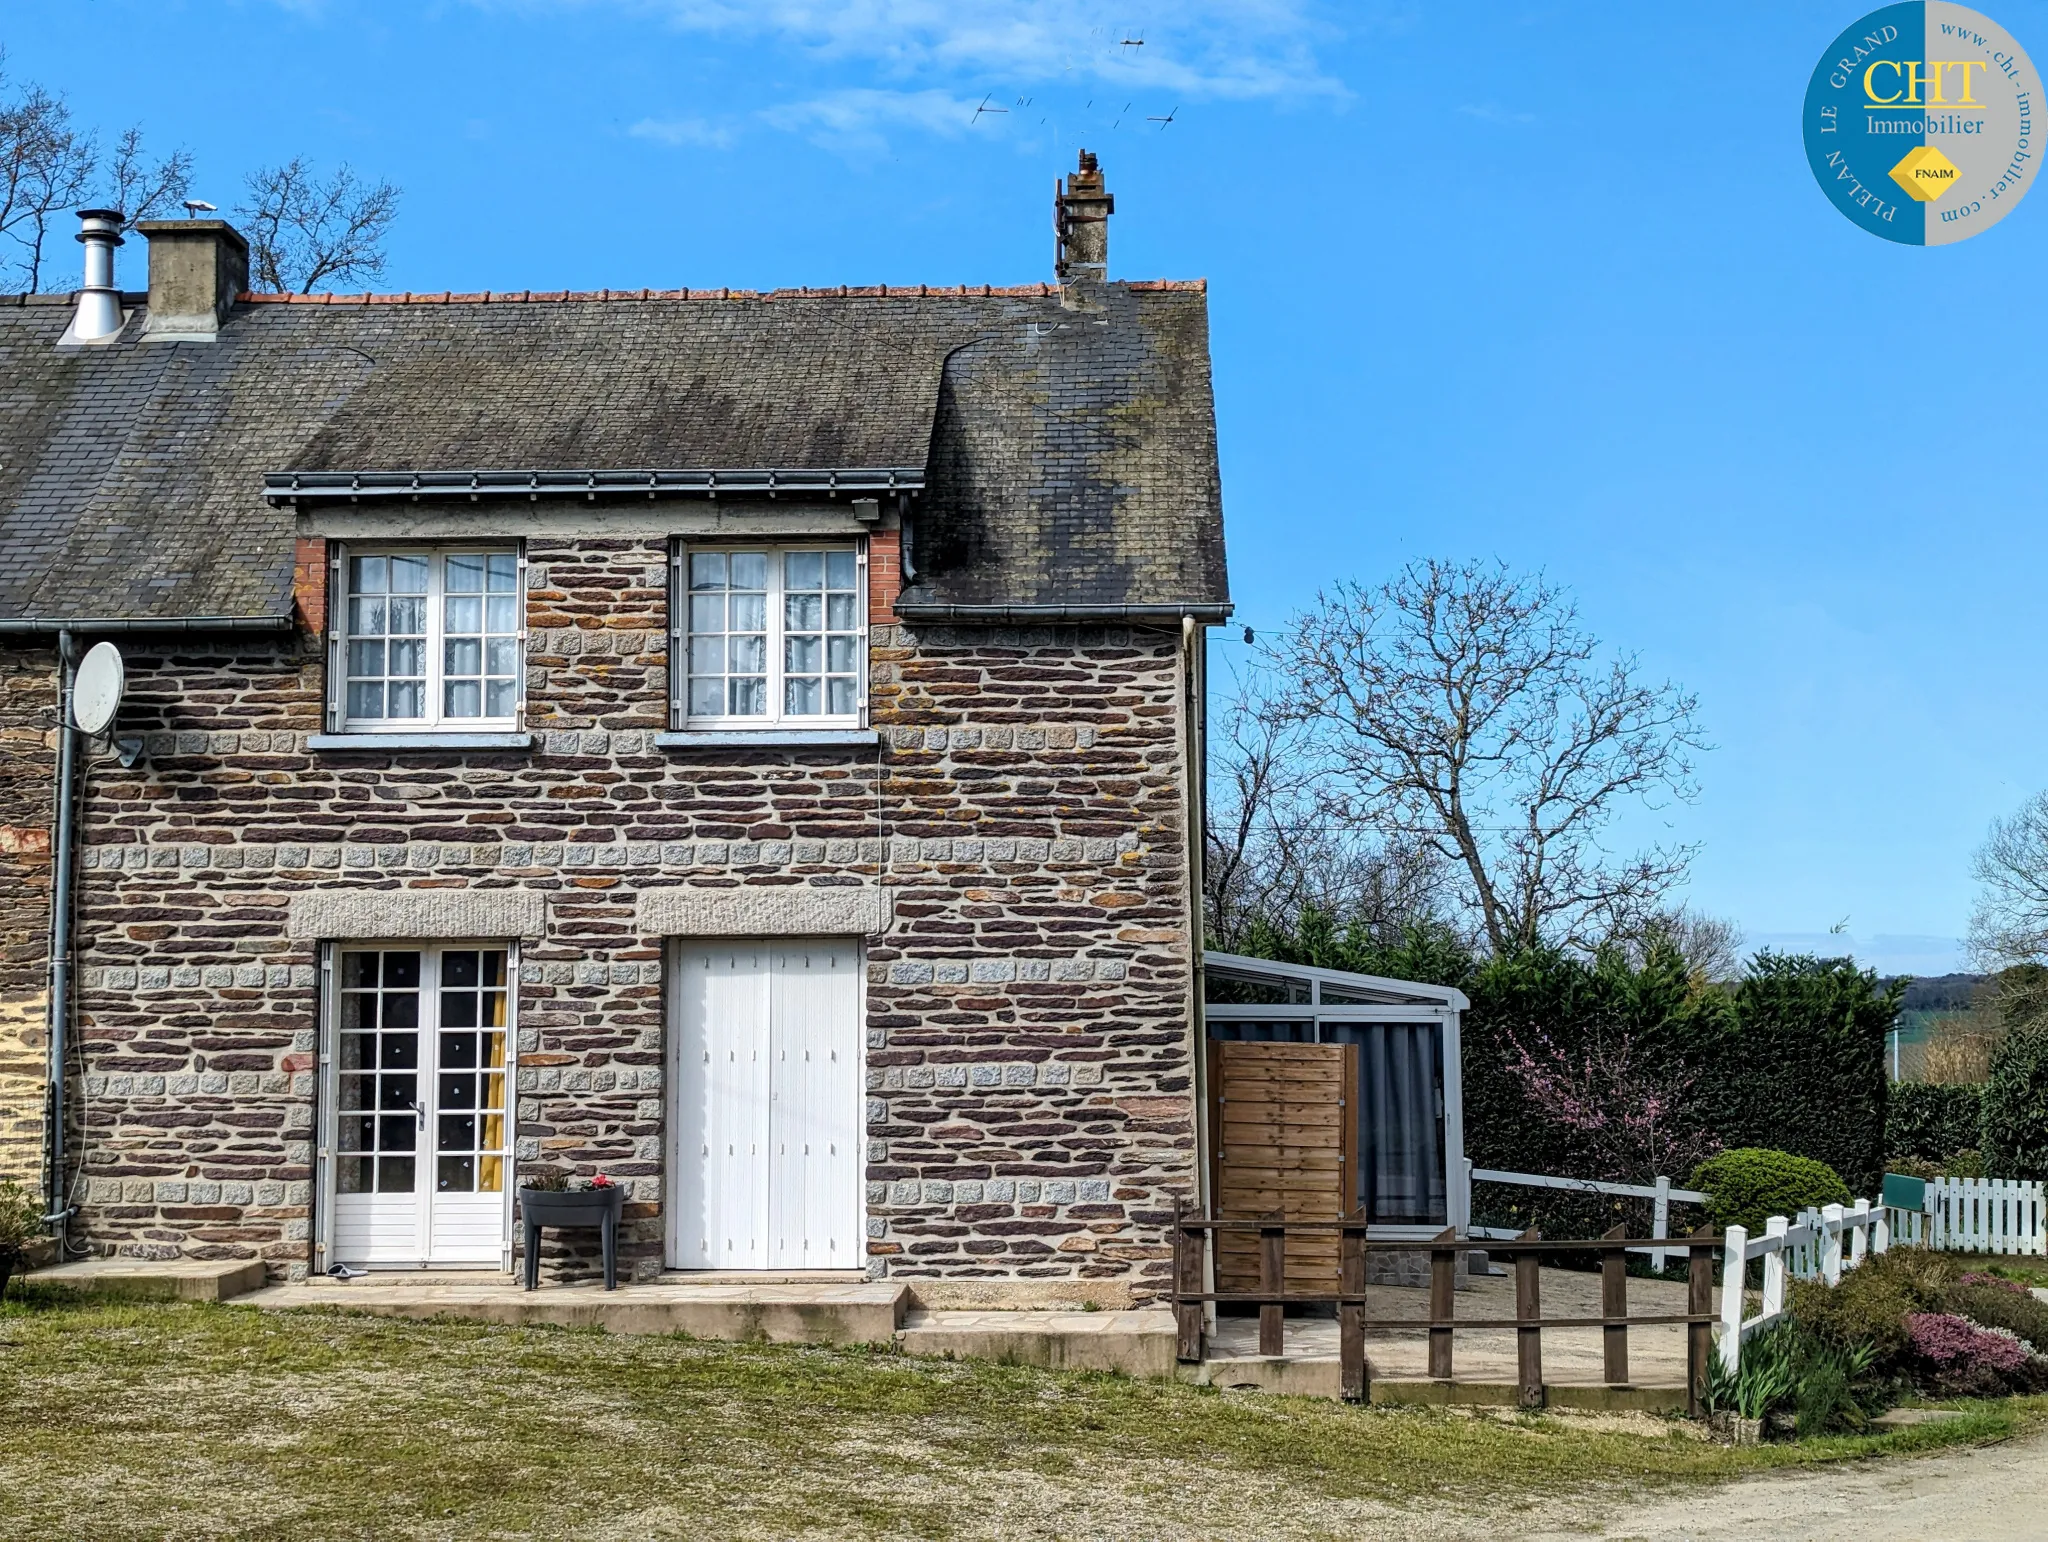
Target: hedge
column 1792, row 1057
column 1926, row 1122
column 1802, row 1068
column 2016, row 1106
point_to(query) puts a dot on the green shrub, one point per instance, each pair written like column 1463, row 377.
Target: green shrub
column 21, row 1221
column 1870, row 1306
column 1966, row 1163
column 1995, row 1303
column 1929, row 1124
column 2016, row 1106
column 1749, row 1185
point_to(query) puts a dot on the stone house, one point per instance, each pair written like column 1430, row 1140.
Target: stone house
column 746, row 744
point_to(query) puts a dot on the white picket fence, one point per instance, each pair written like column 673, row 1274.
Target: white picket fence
column 1817, row 1246
column 1659, row 1192
column 1977, row 1215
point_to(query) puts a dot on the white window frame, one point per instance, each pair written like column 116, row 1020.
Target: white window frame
column 327, row 1152
column 435, row 719
column 776, row 720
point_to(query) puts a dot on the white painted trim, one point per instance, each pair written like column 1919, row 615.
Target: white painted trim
column 766, row 738
column 774, row 718
column 326, row 1128
column 440, row 739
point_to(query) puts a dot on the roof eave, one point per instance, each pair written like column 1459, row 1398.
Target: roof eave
column 1207, row 613
column 297, row 487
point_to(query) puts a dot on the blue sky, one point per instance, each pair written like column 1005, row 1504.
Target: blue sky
column 1544, row 282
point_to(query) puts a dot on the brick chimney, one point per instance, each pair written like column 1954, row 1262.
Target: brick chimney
column 196, row 268
column 1081, row 211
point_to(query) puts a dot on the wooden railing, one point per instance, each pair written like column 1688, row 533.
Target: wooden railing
column 1353, row 1300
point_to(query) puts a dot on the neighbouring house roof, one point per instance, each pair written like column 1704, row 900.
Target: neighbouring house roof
column 1067, row 459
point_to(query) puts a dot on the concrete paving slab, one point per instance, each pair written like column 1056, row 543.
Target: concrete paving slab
column 157, row 1279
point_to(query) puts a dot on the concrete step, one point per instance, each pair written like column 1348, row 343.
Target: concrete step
column 1134, row 1343
column 154, row 1279
column 823, row 1312
column 1320, row 1376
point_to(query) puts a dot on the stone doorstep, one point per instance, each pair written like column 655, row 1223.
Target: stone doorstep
column 784, row 1312
column 151, row 1279
column 1133, row 1343
column 1319, row 1376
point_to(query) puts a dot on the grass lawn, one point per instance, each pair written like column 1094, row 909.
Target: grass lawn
column 2025, row 1268
column 183, row 1421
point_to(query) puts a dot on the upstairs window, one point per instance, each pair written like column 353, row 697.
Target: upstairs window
column 771, row 636
column 430, row 639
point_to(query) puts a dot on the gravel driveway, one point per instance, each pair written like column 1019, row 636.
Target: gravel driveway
column 1989, row 1494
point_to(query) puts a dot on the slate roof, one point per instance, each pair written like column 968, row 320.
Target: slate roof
column 1069, row 457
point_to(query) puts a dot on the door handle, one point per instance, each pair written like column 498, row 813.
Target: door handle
column 420, row 1110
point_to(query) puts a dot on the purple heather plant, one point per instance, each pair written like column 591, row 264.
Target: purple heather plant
column 1999, row 1280
column 1955, row 1345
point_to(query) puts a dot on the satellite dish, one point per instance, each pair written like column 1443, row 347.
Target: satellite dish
column 96, row 691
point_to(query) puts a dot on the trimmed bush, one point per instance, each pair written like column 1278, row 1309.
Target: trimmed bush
column 1927, row 1124
column 1749, row 1185
column 2016, row 1106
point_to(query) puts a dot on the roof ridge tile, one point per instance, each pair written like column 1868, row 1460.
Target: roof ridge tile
column 790, row 292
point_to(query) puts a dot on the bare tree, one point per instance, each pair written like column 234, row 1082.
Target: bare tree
column 304, row 231
column 1465, row 707
column 1710, row 945
column 48, row 166
column 145, row 189
column 2010, row 923
column 1270, row 854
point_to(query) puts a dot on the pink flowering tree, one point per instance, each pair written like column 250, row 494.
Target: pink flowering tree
column 1630, row 1121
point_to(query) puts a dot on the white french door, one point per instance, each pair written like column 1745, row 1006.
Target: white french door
column 418, row 1144
column 765, row 1169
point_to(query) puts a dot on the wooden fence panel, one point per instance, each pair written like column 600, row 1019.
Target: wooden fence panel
column 1286, row 1145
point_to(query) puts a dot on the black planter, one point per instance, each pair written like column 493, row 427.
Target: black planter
column 568, row 1210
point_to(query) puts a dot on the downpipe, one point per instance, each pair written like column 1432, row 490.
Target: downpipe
column 61, row 942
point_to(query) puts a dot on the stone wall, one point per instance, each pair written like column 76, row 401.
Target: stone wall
column 28, row 774
column 1029, row 1087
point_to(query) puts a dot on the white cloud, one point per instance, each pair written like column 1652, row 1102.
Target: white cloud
column 1201, row 49
column 684, row 132
column 854, row 121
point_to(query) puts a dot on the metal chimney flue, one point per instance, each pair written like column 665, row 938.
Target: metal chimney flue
column 98, row 317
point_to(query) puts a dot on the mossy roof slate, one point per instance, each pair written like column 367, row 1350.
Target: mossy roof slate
column 1069, row 456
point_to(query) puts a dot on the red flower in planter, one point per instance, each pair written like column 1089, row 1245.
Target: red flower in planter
column 602, row 1181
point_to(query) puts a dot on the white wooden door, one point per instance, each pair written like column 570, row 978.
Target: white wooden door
column 766, row 1161
column 419, row 1140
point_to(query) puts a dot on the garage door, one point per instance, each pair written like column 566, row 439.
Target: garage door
column 766, row 1155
